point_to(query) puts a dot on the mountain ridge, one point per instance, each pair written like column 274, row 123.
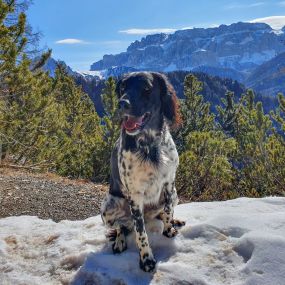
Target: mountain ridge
column 239, row 46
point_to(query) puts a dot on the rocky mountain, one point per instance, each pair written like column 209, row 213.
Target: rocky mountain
column 234, row 49
column 52, row 64
column 269, row 78
column 214, row 86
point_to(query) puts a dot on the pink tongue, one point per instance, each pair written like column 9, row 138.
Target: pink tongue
column 132, row 122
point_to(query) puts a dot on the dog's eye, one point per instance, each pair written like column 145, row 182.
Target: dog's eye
column 147, row 90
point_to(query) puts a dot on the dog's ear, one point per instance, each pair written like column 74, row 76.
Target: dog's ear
column 169, row 101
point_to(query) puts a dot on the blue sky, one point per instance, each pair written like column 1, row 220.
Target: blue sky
column 81, row 32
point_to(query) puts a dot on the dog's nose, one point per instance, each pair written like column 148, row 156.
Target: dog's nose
column 124, row 104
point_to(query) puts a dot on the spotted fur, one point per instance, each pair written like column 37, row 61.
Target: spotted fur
column 143, row 168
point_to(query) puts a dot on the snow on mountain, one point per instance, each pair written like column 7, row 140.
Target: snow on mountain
column 239, row 46
column 95, row 73
column 52, row 64
column 269, row 77
column 276, row 22
column 237, row 242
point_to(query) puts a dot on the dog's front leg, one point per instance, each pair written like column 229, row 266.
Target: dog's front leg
column 147, row 261
column 170, row 196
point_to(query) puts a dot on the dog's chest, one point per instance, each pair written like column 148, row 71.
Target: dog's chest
column 145, row 179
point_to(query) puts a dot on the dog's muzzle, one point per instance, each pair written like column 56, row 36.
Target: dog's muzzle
column 132, row 123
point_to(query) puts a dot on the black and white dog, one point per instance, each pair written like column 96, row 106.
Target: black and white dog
column 143, row 164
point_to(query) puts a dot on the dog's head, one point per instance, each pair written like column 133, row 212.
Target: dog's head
column 145, row 98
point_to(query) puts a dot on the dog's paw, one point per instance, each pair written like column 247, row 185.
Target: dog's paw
column 119, row 246
column 111, row 235
column 119, row 241
column 170, row 232
column 147, row 264
column 177, row 223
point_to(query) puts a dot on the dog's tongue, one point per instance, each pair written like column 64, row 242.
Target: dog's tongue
column 132, row 122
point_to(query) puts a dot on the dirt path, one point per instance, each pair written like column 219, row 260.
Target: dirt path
column 48, row 196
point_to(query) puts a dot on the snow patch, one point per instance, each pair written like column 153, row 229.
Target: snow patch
column 246, row 40
column 98, row 73
column 235, row 242
column 258, row 58
column 229, row 43
column 170, row 67
column 199, row 50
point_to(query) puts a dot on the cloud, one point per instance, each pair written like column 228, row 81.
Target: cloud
column 147, row 31
column 70, row 42
column 243, row 6
column 281, row 3
column 276, row 22
column 256, row 4
column 142, row 32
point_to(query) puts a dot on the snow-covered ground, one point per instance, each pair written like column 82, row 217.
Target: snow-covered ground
column 240, row 241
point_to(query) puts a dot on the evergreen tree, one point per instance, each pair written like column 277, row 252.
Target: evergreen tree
column 229, row 115
column 205, row 171
column 195, row 112
column 80, row 134
column 46, row 122
column 111, row 118
column 246, row 122
column 111, row 128
column 279, row 115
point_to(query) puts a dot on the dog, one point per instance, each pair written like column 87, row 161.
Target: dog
column 143, row 164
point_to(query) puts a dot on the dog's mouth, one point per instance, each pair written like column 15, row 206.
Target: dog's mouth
column 131, row 123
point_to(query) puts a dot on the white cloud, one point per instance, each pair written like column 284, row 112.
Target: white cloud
column 256, row 4
column 147, row 31
column 70, row 42
column 276, row 22
column 164, row 30
column 243, row 6
column 282, row 3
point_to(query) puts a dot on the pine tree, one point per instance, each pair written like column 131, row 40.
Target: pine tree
column 246, row 122
column 80, row 135
column 46, row 122
column 228, row 116
column 279, row 115
column 12, row 43
column 111, row 128
column 205, row 172
column 110, row 119
column 195, row 113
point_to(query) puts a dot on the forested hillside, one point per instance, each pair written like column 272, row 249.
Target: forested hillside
column 213, row 90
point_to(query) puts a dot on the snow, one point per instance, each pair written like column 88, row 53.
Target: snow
column 276, row 22
column 236, row 242
column 199, row 50
column 91, row 73
column 258, row 57
column 170, row 67
column 246, row 40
